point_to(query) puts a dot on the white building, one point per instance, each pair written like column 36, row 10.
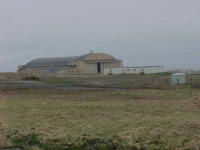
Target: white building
column 135, row 70
column 178, row 78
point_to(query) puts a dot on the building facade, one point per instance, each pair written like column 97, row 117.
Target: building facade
column 135, row 70
column 92, row 63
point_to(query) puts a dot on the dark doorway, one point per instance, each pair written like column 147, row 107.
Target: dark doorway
column 98, row 67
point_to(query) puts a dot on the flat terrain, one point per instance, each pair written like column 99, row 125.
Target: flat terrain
column 100, row 113
column 151, row 119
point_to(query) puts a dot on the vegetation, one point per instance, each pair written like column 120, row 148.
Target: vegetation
column 9, row 76
column 155, row 81
column 100, row 120
column 31, row 78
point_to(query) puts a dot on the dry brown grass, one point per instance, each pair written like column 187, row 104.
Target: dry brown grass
column 147, row 118
column 161, row 118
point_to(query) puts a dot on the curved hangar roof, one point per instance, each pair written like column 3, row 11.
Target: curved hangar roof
column 66, row 60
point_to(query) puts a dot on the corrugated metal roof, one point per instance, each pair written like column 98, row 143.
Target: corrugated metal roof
column 59, row 61
column 56, row 61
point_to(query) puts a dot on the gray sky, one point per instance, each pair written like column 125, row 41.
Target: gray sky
column 141, row 32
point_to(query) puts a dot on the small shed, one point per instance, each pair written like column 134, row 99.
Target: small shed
column 178, row 78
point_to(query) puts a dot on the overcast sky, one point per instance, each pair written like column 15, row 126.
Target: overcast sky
column 141, row 32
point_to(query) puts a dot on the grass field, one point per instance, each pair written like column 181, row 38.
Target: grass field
column 154, row 81
column 104, row 119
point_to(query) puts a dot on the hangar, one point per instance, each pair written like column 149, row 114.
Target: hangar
column 92, row 63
